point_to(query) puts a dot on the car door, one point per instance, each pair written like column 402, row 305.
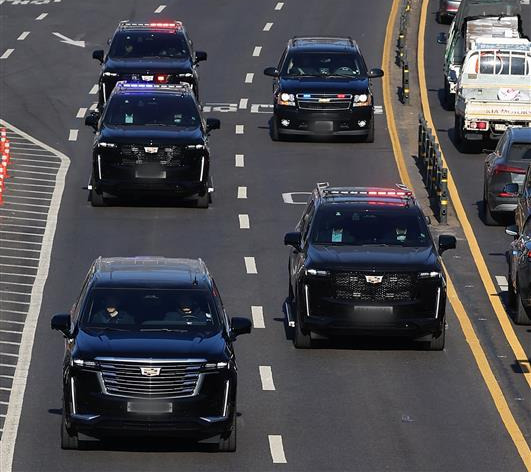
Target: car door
column 297, row 258
column 520, row 250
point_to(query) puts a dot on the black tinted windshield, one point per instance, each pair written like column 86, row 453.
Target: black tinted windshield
column 157, row 109
column 149, row 44
column 519, row 152
column 150, row 309
column 357, row 226
column 323, row 64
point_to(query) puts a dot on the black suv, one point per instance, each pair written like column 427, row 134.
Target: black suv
column 322, row 87
column 156, row 52
column 151, row 138
column 149, row 351
column 364, row 262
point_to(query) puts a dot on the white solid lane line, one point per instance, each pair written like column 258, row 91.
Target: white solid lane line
column 6, row 54
column 81, row 113
column 94, row 89
column 257, row 313
column 277, row 449
column 257, row 50
column 41, row 16
column 268, row 27
column 159, row 9
column 23, row 36
column 239, row 129
column 249, row 78
column 250, row 265
column 266, row 376
column 244, row 221
column 502, row 282
column 239, row 160
column 242, row 192
column 243, row 103
column 279, row 6
column 72, row 135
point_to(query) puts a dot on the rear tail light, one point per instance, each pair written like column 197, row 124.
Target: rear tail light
column 529, row 255
column 503, row 168
column 478, row 125
column 161, row 78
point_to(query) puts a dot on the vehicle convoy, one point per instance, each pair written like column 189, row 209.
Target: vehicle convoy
column 155, row 52
column 363, row 262
column 322, row 87
column 494, row 90
column 506, row 165
column 475, row 18
column 149, row 352
column 152, row 139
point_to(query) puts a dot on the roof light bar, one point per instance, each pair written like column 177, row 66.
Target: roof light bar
column 153, row 24
column 401, row 191
column 180, row 86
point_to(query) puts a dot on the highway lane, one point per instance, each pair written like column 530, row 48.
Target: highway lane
column 380, row 405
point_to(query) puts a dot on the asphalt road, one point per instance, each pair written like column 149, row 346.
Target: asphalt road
column 355, row 405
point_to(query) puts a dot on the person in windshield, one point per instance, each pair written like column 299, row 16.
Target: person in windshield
column 322, row 65
column 188, row 310
column 149, row 44
column 110, row 313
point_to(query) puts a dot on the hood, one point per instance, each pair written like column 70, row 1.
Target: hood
column 375, row 258
column 150, row 135
column 323, row 85
column 93, row 342
column 148, row 65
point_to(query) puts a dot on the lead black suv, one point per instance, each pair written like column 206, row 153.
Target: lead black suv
column 151, row 139
column 363, row 262
column 322, row 87
column 149, row 351
column 156, row 52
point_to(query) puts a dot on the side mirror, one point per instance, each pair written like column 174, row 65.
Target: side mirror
column 240, row 326
column 428, row 220
column 375, row 73
column 293, row 239
column 511, row 189
column 212, row 123
column 200, row 56
column 92, row 120
column 98, row 55
column 442, row 38
column 512, row 231
column 446, row 241
column 271, row 71
column 61, row 323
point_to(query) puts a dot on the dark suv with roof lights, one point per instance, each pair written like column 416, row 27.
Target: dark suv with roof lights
column 363, row 262
column 156, row 52
column 149, row 352
column 322, row 87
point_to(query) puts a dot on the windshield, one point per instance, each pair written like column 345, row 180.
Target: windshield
column 149, row 44
column 323, row 64
column 350, row 225
column 151, row 109
column 519, row 152
column 150, row 309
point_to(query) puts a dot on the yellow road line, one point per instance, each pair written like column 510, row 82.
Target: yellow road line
column 462, row 316
column 481, row 265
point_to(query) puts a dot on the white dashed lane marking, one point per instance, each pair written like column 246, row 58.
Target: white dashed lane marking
column 257, row 50
column 257, row 313
column 266, row 376
column 250, row 265
column 94, row 89
column 239, row 160
column 244, row 221
column 277, row 449
column 72, row 135
column 6, row 54
column 279, row 6
column 160, row 8
column 268, row 26
column 81, row 113
column 41, row 16
column 23, row 36
column 239, row 129
column 242, row 192
column 243, row 103
column 249, row 78
column 502, row 282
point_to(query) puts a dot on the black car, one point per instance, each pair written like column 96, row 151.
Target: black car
column 322, row 87
column 156, row 52
column 149, row 352
column 151, row 138
column 364, row 262
column 519, row 276
column 506, row 165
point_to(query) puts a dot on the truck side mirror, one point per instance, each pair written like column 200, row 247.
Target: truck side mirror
column 446, row 241
column 92, row 120
column 271, row 71
column 98, row 55
column 375, row 73
column 61, row 323
column 442, row 38
column 212, row 123
column 200, row 56
column 294, row 240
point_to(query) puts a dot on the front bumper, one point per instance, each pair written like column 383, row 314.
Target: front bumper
column 332, row 123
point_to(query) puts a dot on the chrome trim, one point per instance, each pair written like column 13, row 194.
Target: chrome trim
column 99, row 165
column 437, row 303
column 81, row 417
column 291, row 321
column 73, row 393
column 151, row 361
column 307, row 296
column 104, row 92
column 226, row 400
column 224, row 417
column 202, row 169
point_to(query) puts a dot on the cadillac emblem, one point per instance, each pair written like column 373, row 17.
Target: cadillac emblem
column 150, row 371
column 151, row 149
column 374, row 279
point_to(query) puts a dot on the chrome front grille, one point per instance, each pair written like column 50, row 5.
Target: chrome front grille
column 394, row 286
column 135, row 378
column 324, row 102
column 140, row 153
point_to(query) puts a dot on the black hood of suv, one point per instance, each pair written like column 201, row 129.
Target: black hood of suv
column 150, row 135
column 148, row 65
column 324, row 85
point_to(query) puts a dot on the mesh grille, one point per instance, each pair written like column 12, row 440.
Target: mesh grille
column 323, row 102
column 394, row 286
column 167, row 155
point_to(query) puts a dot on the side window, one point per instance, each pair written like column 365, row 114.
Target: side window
column 76, row 309
column 219, row 306
column 282, row 58
column 307, row 222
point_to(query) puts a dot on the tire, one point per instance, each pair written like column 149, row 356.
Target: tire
column 511, row 295
column 68, row 440
column 273, row 129
column 488, row 217
column 461, row 142
column 203, row 201
column 370, row 136
column 437, row 343
column 300, row 339
column 521, row 314
column 448, row 98
column 96, row 199
column 227, row 443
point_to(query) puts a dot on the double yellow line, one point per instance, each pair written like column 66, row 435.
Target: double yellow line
column 464, row 321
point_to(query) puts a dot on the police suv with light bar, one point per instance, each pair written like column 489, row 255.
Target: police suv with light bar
column 156, row 52
column 151, row 138
column 322, row 87
column 363, row 262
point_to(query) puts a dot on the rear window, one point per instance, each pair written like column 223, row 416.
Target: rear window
column 520, row 152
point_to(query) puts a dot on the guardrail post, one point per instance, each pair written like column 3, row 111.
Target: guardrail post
column 405, row 80
column 443, row 199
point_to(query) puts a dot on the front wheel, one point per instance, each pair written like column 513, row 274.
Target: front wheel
column 448, row 97
column 203, row 201
column 370, row 135
column 69, row 440
column 273, row 129
column 437, row 342
column 97, row 199
column 301, row 340
column 227, row 443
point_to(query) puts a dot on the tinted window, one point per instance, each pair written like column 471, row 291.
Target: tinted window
column 352, row 225
column 149, row 44
column 323, row 64
column 519, row 152
column 158, row 109
column 150, row 308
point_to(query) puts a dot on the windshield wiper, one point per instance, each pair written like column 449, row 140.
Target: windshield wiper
column 107, row 328
column 165, row 329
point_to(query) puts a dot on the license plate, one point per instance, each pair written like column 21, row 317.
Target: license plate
column 144, row 172
column 151, row 407
column 500, row 127
column 147, row 78
column 323, row 126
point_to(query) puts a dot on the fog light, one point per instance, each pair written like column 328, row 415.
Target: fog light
column 362, row 123
column 284, row 122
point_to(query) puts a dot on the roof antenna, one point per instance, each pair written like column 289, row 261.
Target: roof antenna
column 195, row 282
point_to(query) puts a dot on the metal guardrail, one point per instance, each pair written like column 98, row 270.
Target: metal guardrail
column 401, row 52
column 434, row 175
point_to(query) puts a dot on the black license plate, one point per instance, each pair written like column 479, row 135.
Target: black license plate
column 148, row 172
column 374, row 313
column 150, row 407
column 323, row 126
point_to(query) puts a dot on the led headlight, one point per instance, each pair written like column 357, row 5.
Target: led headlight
column 82, row 363
column 106, row 145
column 216, row 365
column 110, row 74
column 361, row 100
column 429, row 275
column 287, row 99
column 195, row 146
column 318, row 273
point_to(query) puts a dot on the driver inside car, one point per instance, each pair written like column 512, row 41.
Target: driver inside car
column 188, row 310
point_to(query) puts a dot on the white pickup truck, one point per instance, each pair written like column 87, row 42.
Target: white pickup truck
column 493, row 90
